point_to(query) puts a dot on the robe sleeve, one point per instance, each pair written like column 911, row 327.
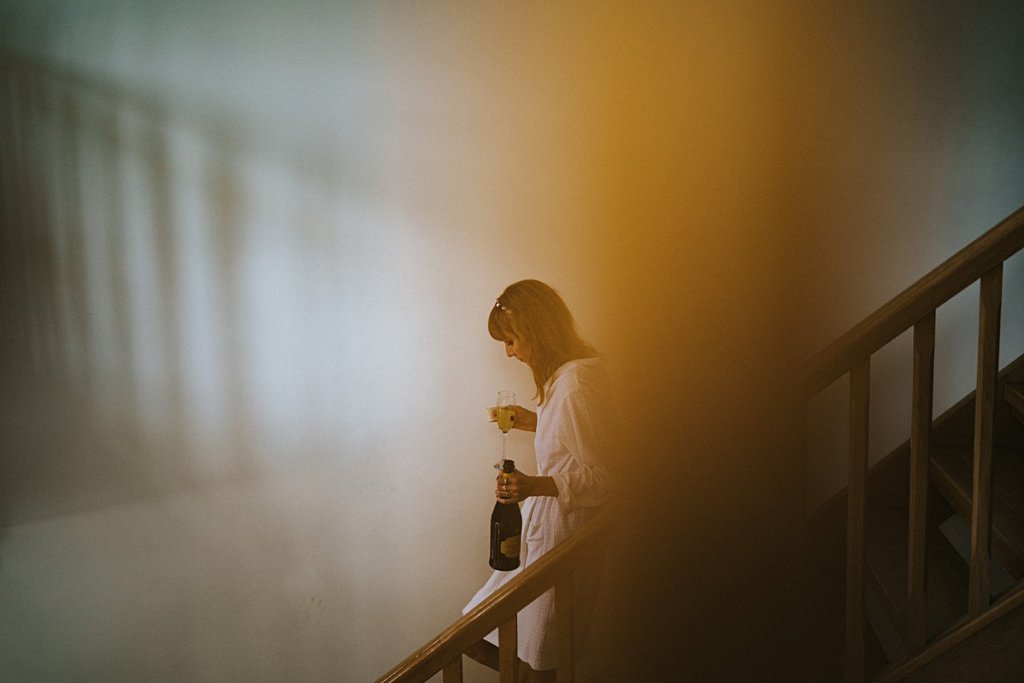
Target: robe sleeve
column 588, row 430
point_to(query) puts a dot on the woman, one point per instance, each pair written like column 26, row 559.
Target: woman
column 575, row 438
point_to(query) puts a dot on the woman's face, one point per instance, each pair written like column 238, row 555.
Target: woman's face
column 517, row 348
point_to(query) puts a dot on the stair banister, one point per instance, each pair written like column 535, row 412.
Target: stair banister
column 554, row 570
column 960, row 633
column 920, row 443
column 851, row 353
column 984, row 413
column 917, row 301
column 856, row 502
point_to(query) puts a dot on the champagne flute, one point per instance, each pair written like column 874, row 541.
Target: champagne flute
column 505, row 413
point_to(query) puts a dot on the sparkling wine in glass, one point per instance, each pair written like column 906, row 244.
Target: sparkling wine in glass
column 506, row 409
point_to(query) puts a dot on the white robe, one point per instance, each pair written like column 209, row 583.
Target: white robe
column 576, row 430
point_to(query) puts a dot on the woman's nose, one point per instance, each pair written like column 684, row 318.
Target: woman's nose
column 508, row 350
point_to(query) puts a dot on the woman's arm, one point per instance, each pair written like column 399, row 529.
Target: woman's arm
column 586, row 426
column 524, row 419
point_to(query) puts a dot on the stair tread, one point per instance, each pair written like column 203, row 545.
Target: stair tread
column 952, row 472
column 1013, row 394
column 887, row 523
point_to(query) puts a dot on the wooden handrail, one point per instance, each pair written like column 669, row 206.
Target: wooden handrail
column 914, row 303
column 502, row 606
column 960, row 632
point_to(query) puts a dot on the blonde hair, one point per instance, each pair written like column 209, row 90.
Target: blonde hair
column 534, row 313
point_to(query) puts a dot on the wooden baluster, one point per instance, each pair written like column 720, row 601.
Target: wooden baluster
column 453, row 671
column 856, row 495
column 984, row 411
column 920, row 437
column 565, row 630
column 508, row 651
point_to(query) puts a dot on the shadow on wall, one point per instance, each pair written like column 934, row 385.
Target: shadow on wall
column 128, row 276
column 142, row 359
column 100, row 304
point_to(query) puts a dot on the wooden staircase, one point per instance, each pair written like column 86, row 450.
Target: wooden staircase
column 984, row 654
column 947, row 540
column 499, row 611
column 934, row 532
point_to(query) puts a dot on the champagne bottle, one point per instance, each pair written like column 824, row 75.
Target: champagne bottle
column 506, row 529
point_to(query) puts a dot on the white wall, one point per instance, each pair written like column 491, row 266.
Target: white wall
column 921, row 150
column 250, row 249
column 266, row 240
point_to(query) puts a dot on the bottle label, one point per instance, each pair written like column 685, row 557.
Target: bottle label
column 510, row 546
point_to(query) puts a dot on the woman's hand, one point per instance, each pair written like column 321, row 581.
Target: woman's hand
column 512, row 487
column 522, row 418
column 516, row 487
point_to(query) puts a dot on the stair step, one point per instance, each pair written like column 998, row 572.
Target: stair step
column 887, row 522
column 1014, row 396
column 952, row 472
column 957, row 531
